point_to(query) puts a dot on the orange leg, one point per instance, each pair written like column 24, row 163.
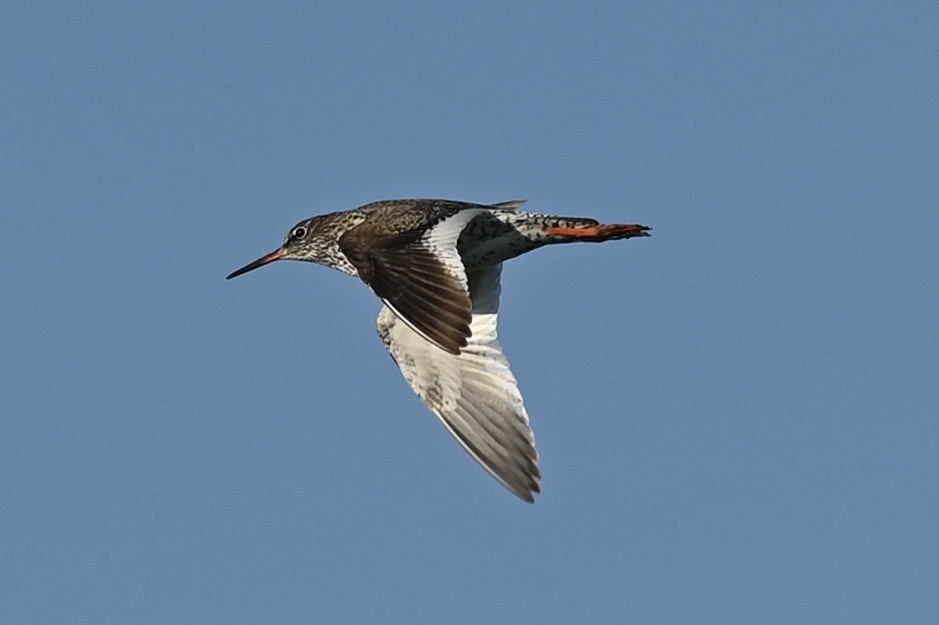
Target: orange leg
column 619, row 231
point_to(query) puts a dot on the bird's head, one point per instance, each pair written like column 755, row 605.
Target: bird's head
column 305, row 241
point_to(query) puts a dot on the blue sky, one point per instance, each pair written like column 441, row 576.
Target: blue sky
column 737, row 416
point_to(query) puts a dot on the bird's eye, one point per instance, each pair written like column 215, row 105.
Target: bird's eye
column 298, row 233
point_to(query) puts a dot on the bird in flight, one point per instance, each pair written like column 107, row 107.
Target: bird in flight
column 435, row 265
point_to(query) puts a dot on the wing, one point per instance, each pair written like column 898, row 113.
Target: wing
column 474, row 392
column 511, row 205
column 420, row 276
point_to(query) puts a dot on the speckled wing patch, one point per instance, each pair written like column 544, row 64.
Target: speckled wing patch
column 419, row 275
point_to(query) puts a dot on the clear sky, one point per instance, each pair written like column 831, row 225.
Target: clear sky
column 737, row 417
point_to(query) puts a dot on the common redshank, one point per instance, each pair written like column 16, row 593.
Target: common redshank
column 436, row 264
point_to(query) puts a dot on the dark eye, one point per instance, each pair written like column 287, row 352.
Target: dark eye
column 298, row 233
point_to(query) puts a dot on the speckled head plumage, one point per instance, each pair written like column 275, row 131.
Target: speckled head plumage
column 313, row 240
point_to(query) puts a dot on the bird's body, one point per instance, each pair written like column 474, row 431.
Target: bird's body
column 436, row 265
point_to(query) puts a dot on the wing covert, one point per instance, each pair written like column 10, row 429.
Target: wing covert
column 420, row 277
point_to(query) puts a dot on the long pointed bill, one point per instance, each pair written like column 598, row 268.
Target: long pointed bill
column 275, row 255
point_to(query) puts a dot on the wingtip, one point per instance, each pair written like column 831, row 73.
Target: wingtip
column 525, row 492
column 510, row 205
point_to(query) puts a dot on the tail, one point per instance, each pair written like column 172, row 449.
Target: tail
column 571, row 230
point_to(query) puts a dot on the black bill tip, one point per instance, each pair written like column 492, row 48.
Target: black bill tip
column 269, row 258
